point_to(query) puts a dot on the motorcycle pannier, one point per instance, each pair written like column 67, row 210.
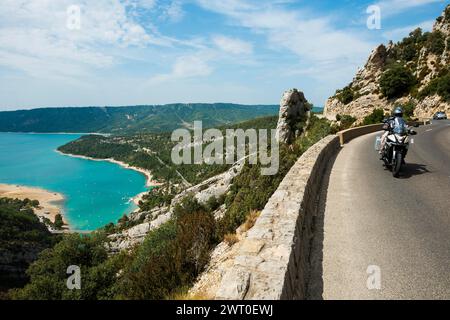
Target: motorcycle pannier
column 378, row 143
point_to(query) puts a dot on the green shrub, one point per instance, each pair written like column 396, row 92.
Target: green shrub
column 35, row 203
column 48, row 274
column 408, row 110
column 188, row 205
column 375, row 117
column 396, row 81
column 346, row 96
column 20, row 232
column 152, row 272
column 196, row 234
column 157, row 197
column 171, row 256
column 124, row 219
column 59, row 223
column 213, row 203
column 439, row 85
column 436, row 42
column 346, row 121
column 407, row 48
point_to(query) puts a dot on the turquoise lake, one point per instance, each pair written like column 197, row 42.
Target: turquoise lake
column 96, row 192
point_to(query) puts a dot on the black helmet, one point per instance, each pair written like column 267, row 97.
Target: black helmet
column 398, row 112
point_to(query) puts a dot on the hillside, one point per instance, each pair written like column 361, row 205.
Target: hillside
column 22, row 238
column 414, row 72
column 159, row 251
column 152, row 152
column 128, row 119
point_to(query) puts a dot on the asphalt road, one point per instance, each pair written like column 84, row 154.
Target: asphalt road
column 401, row 227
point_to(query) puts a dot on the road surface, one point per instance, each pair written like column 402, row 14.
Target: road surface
column 398, row 228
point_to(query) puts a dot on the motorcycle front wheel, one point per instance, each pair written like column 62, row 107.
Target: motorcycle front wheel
column 397, row 165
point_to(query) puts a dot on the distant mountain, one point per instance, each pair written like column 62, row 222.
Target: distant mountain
column 129, row 119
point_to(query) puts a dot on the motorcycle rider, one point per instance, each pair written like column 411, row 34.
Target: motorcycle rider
column 388, row 126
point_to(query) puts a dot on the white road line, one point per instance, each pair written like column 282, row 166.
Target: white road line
column 429, row 130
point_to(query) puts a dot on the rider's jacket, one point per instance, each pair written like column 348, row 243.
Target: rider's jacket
column 391, row 122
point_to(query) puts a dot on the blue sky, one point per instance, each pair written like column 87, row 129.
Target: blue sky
column 128, row 52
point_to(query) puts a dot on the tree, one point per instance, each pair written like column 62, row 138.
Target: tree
column 59, row 223
column 396, row 81
column 22, row 238
column 436, row 42
column 48, row 274
column 35, row 203
column 124, row 219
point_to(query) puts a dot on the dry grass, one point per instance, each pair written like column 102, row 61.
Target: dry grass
column 251, row 220
column 184, row 295
column 231, row 239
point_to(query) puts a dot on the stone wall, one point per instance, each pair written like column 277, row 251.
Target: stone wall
column 273, row 259
column 346, row 136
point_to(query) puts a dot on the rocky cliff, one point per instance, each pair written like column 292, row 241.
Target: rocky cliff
column 413, row 72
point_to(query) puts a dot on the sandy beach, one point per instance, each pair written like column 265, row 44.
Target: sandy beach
column 48, row 201
column 139, row 198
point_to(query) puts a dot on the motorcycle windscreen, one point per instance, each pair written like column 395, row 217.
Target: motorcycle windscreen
column 400, row 127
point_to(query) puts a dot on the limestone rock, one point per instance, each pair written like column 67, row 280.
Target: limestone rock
column 222, row 260
column 431, row 105
column 293, row 107
column 234, row 285
column 442, row 23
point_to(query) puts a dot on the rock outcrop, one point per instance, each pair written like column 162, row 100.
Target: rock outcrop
column 293, row 109
column 422, row 59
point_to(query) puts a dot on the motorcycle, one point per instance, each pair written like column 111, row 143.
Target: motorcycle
column 396, row 145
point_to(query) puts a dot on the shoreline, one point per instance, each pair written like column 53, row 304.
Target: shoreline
column 147, row 173
column 61, row 133
column 49, row 201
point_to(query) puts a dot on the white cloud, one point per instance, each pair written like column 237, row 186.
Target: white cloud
column 233, row 45
column 399, row 33
column 173, row 11
column 189, row 66
column 316, row 41
column 37, row 33
column 393, row 7
column 147, row 4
